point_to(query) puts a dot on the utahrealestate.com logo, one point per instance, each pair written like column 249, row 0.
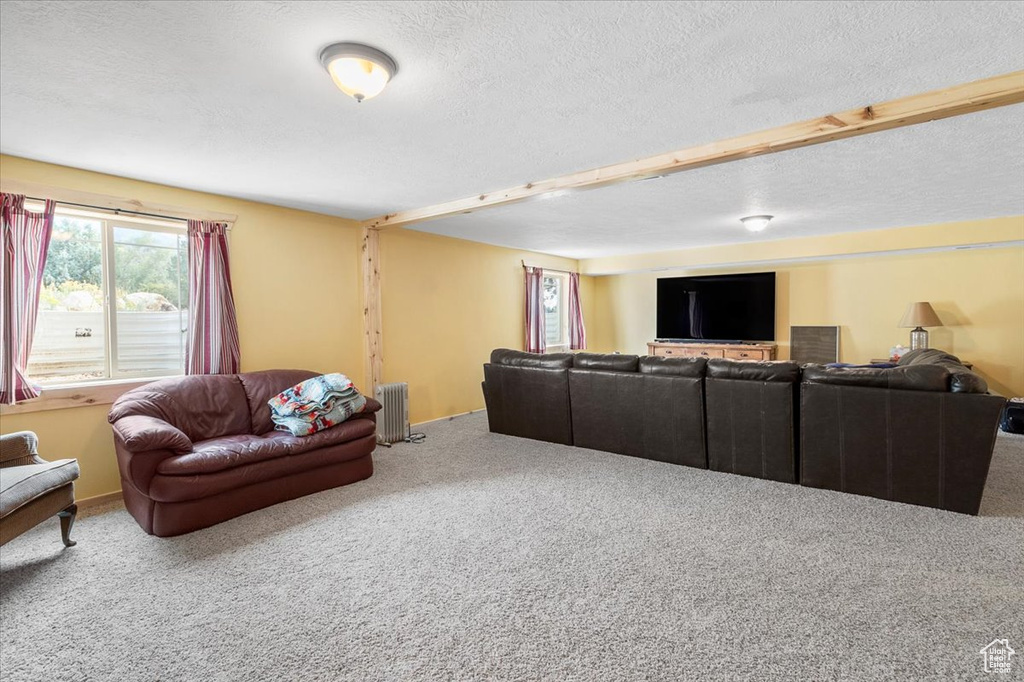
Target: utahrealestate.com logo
column 997, row 656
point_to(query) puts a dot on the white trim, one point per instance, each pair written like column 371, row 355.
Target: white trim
column 448, row 418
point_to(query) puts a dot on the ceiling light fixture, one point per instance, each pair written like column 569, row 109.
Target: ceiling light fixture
column 756, row 223
column 360, row 71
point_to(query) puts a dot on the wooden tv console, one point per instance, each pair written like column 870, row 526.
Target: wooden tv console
column 733, row 351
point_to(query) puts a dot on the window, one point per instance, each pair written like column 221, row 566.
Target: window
column 556, row 311
column 114, row 300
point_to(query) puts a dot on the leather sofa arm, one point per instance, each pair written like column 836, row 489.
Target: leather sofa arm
column 143, row 434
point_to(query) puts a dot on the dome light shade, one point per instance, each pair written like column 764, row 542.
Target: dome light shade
column 360, row 71
column 756, row 223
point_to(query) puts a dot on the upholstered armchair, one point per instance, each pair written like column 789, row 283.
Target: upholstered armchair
column 33, row 489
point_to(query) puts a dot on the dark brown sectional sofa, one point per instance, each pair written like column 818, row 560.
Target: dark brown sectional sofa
column 921, row 433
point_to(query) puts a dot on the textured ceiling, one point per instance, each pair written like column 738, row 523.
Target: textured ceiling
column 228, row 97
column 931, row 173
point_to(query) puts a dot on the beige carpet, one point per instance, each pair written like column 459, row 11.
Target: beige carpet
column 475, row 556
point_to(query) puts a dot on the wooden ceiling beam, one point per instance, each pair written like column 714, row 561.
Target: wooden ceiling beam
column 979, row 95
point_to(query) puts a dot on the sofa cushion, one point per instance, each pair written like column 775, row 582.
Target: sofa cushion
column 201, row 406
column 355, row 427
column 785, row 372
column 913, row 378
column 611, row 362
column 677, row 367
column 229, row 452
column 169, row 489
column 260, row 387
column 224, row 452
column 517, row 358
column 19, row 485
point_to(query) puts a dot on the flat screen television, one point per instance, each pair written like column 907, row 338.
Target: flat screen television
column 719, row 308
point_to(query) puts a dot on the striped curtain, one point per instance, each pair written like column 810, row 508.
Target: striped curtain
column 535, row 333
column 25, row 238
column 213, row 328
column 577, row 331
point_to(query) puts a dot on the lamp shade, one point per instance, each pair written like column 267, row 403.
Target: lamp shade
column 920, row 314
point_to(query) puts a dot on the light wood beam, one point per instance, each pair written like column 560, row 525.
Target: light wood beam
column 906, row 111
column 372, row 337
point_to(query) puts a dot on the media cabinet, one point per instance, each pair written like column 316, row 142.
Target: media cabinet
column 732, row 351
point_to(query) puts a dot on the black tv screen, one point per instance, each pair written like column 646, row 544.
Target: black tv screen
column 717, row 308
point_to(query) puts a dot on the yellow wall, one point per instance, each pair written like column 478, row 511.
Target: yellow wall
column 978, row 294
column 866, row 242
column 297, row 286
column 447, row 303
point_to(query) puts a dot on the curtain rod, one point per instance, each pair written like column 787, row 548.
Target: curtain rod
column 565, row 272
column 115, row 211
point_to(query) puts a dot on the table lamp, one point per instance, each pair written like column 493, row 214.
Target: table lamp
column 920, row 315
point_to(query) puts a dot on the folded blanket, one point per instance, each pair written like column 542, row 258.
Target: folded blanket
column 315, row 404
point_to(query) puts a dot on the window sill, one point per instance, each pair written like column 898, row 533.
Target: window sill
column 76, row 395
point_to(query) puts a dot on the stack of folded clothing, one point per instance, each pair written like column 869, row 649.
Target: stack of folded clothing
column 316, row 404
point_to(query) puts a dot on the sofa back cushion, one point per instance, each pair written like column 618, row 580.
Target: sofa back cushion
column 912, row 378
column 784, row 372
column 201, row 406
column 260, row 387
column 612, row 362
column 676, row 367
column 518, row 358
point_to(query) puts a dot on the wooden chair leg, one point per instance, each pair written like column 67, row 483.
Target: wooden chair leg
column 67, row 519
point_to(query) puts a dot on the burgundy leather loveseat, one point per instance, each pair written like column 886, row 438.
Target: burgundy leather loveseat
column 197, row 450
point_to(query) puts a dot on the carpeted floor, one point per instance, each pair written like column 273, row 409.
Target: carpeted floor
column 474, row 556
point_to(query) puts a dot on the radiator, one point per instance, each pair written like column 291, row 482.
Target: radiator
column 393, row 419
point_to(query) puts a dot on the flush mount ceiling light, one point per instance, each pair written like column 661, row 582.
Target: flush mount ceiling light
column 360, row 71
column 756, row 223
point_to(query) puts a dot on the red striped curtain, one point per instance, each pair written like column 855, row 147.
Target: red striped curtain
column 24, row 238
column 577, row 330
column 213, row 327
column 535, row 336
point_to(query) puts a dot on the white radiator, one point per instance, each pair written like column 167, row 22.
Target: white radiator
column 393, row 419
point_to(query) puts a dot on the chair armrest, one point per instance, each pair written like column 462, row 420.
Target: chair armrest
column 142, row 434
column 19, row 448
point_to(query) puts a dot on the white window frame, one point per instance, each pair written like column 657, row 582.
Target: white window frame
column 563, row 313
column 108, row 223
